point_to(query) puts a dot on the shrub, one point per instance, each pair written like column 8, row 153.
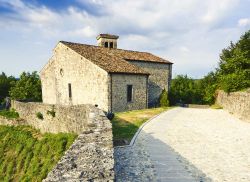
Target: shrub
column 52, row 112
column 39, row 115
column 164, row 99
column 9, row 114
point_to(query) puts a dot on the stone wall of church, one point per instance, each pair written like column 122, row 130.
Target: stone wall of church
column 48, row 82
column 159, row 78
column 119, row 92
column 89, row 83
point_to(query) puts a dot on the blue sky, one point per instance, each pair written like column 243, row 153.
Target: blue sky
column 189, row 33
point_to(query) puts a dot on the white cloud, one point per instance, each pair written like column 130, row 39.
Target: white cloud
column 184, row 49
column 189, row 32
column 84, row 32
column 244, row 22
column 216, row 10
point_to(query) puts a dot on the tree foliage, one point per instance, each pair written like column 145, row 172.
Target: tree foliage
column 184, row 90
column 5, row 85
column 164, row 102
column 28, row 87
column 234, row 65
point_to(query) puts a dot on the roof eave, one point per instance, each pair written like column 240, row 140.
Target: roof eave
column 148, row 61
column 127, row 73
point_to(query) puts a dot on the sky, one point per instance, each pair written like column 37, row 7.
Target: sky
column 189, row 33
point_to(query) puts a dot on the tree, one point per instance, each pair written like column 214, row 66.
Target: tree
column 234, row 65
column 5, row 84
column 208, row 86
column 28, row 87
column 184, row 90
column 164, row 99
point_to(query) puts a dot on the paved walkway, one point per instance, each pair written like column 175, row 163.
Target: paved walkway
column 188, row 145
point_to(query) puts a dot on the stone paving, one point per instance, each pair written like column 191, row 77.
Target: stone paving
column 186, row 145
column 133, row 164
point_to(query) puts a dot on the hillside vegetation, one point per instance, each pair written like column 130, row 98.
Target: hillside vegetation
column 28, row 155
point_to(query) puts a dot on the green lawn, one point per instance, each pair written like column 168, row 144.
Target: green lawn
column 28, row 155
column 125, row 124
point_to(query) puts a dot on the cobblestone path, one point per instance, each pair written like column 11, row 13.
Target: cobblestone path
column 188, row 145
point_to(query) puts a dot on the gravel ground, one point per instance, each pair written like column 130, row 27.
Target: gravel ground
column 212, row 145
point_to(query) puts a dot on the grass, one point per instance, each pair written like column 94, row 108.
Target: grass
column 125, row 124
column 10, row 114
column 28, row 155
column 216, row 106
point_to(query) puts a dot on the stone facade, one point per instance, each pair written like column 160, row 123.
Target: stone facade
column 119, row 84
column 159, row 79
column 89, row 83
column 237, row 103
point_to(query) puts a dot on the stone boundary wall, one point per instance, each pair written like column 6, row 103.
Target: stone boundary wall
column 90, row 157
column 237, row 103
column 73, row 119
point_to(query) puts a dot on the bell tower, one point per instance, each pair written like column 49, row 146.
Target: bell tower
column 107, row 40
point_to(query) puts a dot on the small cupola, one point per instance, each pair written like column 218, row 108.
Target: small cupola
column 107, row 40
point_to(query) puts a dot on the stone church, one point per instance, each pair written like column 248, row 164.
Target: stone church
column 114, row 79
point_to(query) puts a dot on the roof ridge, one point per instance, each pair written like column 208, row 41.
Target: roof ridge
column 103, row 47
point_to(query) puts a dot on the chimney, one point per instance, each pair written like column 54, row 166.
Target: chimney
column 107, row 40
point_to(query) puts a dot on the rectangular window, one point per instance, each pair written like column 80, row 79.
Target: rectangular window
column 106, row 44
column 129, row 93
column 70, row 91
column 111, row 45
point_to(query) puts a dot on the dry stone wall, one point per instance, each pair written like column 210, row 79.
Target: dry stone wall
column 90, row 158
column 67, row 118
column 11, row 122
column 237, row 103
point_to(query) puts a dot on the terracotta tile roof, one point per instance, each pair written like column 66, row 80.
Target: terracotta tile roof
column 139, row 56
column 114, row 60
